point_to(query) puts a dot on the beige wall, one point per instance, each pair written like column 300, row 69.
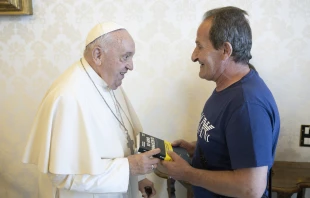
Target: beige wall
column 164, row 87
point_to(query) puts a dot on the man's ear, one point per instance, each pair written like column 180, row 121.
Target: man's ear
column 97, row 55
column 227, row 50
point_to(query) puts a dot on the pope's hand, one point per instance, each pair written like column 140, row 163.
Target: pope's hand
column 146, row 183
column 143, row 163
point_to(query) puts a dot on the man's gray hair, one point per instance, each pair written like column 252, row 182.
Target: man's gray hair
column 229, row 24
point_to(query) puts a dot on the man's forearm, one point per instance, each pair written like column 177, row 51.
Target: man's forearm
column 243, row 183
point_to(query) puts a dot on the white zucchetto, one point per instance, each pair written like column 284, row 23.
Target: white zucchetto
column 100, row 30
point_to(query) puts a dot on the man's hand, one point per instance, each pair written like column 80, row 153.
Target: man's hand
column 189, row 146
column 143, row 163
column 177, row 168
column 146, row 183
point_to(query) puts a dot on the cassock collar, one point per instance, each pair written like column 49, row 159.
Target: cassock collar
column 94, row 76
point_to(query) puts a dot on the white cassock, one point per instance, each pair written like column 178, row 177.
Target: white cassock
column 76, row 142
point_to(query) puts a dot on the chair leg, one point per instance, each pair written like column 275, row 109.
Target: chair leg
column 171, row 188
column 301, row 193
column 190, row 193
column 284, row 195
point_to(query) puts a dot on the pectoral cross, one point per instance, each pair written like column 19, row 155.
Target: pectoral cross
column 130, row 143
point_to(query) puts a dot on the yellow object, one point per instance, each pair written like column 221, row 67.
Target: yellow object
column 168, row 147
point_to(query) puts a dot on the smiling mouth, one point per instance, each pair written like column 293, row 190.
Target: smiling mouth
column 123, row 73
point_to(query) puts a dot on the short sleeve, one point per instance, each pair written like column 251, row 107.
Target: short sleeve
column 249, row 137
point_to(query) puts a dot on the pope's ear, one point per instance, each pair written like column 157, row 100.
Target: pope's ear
column 97, row 55
column 227, row 50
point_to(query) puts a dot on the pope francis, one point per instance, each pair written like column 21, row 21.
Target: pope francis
column 83, row 136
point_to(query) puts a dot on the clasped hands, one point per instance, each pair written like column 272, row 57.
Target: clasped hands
column 144, row 163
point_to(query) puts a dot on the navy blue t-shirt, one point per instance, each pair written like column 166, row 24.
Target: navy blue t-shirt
column 239, row 128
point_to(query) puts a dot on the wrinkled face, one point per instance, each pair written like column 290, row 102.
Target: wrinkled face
column 204, row 53
column 117, row 59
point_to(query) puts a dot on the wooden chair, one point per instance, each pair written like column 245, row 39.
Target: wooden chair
column 290, row 177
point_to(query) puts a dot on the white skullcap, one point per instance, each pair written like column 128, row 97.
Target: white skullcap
column 100, row 30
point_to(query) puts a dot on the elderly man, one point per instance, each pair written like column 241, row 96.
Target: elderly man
column 239, row 126
column 82, row 139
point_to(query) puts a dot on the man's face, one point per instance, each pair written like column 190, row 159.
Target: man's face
column 204, row 52
column 117, row 60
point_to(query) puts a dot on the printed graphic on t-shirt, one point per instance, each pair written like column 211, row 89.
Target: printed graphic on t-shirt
column 204, row 127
